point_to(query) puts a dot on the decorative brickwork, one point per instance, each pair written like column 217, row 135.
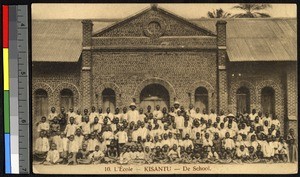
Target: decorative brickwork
column 233, row 90
column 70, row 86
column 212, row 100
column 291, row 92
column 135, row 26
column 144, row 83
column 98, row 93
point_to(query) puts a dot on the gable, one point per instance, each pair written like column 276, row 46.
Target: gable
column 153, row 22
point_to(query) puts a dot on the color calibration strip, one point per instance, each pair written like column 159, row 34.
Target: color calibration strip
column 13, row 91
column 5, row 29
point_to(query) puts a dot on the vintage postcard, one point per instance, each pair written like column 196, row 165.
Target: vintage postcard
column 164, row 88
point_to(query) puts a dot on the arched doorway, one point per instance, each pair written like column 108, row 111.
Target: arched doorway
column 108, row 99
column 268, row 100
column 66, row 99
column 41, row 103
column 243, row 100
column 201, row 99
column 154, row 94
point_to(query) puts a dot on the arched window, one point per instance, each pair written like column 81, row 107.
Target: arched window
column 268, row 100
column 108, row 99
column 201, row 99
column 154, row 94
column 41, row 103
column 66, row 99
column 243, row 100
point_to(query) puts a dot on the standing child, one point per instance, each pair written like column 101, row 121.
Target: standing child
column 41, row 147
column 72, row 150
column 293, row 150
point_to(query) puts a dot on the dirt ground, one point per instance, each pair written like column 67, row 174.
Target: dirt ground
column 276, row 168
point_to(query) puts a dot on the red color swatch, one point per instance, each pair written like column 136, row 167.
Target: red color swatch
column 5, row 25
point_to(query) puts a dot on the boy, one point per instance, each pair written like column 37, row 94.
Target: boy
column 43, row 125
column 52, row 114
column 242, row 154
column 86, row 126
column 55, row 126
column 174, row 154
column 72, row 150
column 83, row 155
column 125, row 155
column 92, row 143
column 71, row 127
column 148, row 155
column 53, row 155
column 96, row 156
column 41, row 147
column 122, row 138
column 228, row 142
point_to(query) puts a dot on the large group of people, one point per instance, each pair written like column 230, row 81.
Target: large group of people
column 158, row 135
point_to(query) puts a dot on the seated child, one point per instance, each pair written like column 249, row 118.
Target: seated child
column 111, row 153
column 83, row 155
column 242, row 154
column 213, row 156
column 165, row 152
column 148, row 155
column 140, row 156
column 174, row 154
column 196, row 154
column 55, row 126
column 125, row 157
column 53, row 155
column 43, row 125
column 97, row 156
column 157, row 156
column 252, row 155
column 186, row 157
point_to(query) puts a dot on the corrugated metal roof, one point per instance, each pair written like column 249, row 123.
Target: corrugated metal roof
column 271, row 39
column 56, row 40
column 259, row 39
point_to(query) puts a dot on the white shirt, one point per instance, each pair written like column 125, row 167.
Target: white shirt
column 157, row 114
column 122, row 137
column 43, row 126
column 52, row 115
column 133, row 115
column 179, row 120
column 42, row 144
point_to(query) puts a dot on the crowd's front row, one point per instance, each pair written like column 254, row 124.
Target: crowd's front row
column 180, row 138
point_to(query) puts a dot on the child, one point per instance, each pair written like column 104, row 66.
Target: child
column 92, row 143
column 96, row 127
column 41, row 147
column 213, row 156
column 242, row 154
column 174, row 154
column 187, row 156
column 140, row 156
column 283, row 150
column 71, row 127
column 125, row 155
column 112, row 153
column 252, row 155
column 122, row 138
column 53, row 155
column 228, row 142
column 107, row 135
column 187, row 142
column 72, row 150
column 83, row 155
column 148, row 155
column 196, row 153
column 165, row 152
column 292, row 144
column 86, row 126
column 55, row 126
column 43, row 125
column 96, row 156
column 78, row 137
column 259, row 154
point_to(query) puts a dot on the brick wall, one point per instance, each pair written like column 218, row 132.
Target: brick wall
column 257, row 75
column 177, row 71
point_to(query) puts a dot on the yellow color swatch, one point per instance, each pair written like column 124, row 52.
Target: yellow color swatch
column 5, row 69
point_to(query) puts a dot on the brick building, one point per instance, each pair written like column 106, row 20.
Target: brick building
column 156, row 57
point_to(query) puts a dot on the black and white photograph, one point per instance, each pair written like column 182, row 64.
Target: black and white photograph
column 164, row 88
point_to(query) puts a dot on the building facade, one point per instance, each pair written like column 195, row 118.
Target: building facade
column 156, row 57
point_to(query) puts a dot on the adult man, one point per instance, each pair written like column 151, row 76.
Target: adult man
column 133, row 115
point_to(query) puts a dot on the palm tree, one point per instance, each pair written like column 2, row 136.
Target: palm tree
column 218, row 13
column 252, row 10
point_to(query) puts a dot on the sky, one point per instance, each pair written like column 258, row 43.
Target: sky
column 117, row 11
